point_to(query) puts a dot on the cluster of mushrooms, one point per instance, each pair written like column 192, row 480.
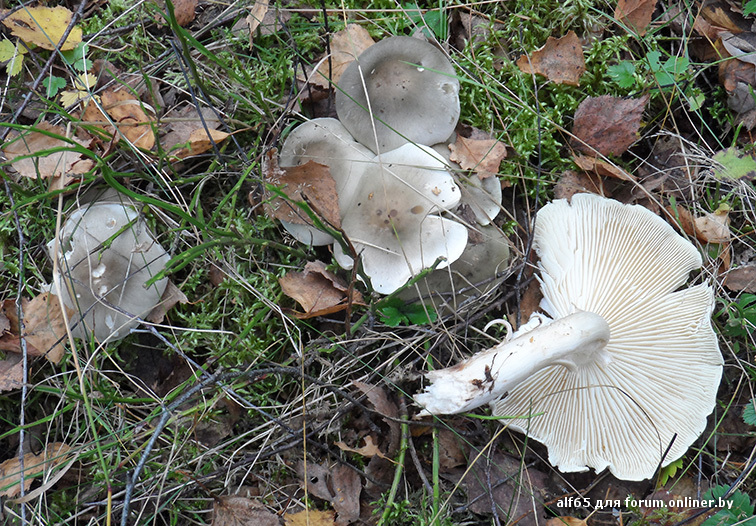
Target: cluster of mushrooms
column 397, row 193
column 620, row 372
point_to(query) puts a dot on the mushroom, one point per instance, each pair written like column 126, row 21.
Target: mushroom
column 325, row 141
column 107, row 257
column 478, row 270
column 624, row 365
column 392, row 220
column 400, row 90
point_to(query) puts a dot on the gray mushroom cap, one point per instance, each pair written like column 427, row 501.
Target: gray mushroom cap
column 106, row 256
column 410, row 89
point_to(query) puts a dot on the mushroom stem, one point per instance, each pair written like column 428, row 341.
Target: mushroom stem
column 491, row 374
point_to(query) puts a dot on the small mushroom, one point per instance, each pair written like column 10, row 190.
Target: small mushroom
column 106, row 255
column 392, row 219
column 479, row 269
column 325, row 141
column 400, row 90
column 624, row 365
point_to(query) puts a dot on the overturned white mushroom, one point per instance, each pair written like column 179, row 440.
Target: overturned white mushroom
column 392, row 219
column 106, row 254
column 626, row 363
column 325, row 141
column 399, row 90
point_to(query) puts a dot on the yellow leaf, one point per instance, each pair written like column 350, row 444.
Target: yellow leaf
column 34, row 465
column 310, row 518
column 44, row 26
column 7, row 50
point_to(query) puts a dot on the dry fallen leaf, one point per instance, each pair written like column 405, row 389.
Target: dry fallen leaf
column 43, row 26
column 11, row 372
column 54, row 455
column 571, row 183
column 256, row 16
column 566, row 521
column 741, row 279
column 607, row 125
column 310, row 518
column 483, row 156
column 24, row 153
column 171, row 296
column 240, row 511
column 713, row 228
column 635, row 14
column 311, row 182
column 599, row 167
column 317, row 290
column 184, row 11
column 127, row 114
column 44, row 327
column 369, row 450
column 346, row 45
column 347, row 486
column 560, row 60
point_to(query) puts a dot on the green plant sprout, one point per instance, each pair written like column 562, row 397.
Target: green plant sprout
column 395, row 312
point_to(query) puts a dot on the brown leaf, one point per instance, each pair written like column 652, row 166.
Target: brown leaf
column 311, row 182
column 256, row 16
column 310, row 518
column 62, row 164
column 713, row 228
column 603, row 168
column 450, row 453
column 316, row 478
column 347, row 486
column 317, row 290
column 566, row 521
column 733, row 72
column 44, row 327
column 184, row 11
column 171, row 296
column 369, row 450
column 34, row 465
column 186, row 131
column 127, row 114
column 741, row 279
column 635, row 14
column 11, row 372
column 483, row 156
column 4, row 323
column 607, row 125
column 385, row 407
column 346, row 45
column 560, row 60
column 240, row 511
column 571, row 183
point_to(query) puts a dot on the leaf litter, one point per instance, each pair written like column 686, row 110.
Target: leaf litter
column 318, row 290
column 560, row 60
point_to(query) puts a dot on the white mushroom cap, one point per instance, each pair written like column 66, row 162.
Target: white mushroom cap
column 410, row 89
column 628, row 366
column 662, row 364
column 108, row 254
column 392, row 222
column 325, row 141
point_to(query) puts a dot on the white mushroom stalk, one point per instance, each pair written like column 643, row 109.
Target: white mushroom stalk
column 630, row 364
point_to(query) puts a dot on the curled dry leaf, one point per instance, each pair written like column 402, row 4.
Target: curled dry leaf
column 635, row 14
column 238, row 511
column 43, row 26
column 310, row 182
column 35, row 465
column 318, row 291
column 346, row 45
column 560, row 60
column 607, row 125
column 571, row 183
column 187, row 133
column 603, row 168
column 713, row 228
column 44, row 327
column 171, row 296
column 483, row 156
column 126, row 111
column 310, row 518
column 24, row 151
column 256, row 16
column 369, row 450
